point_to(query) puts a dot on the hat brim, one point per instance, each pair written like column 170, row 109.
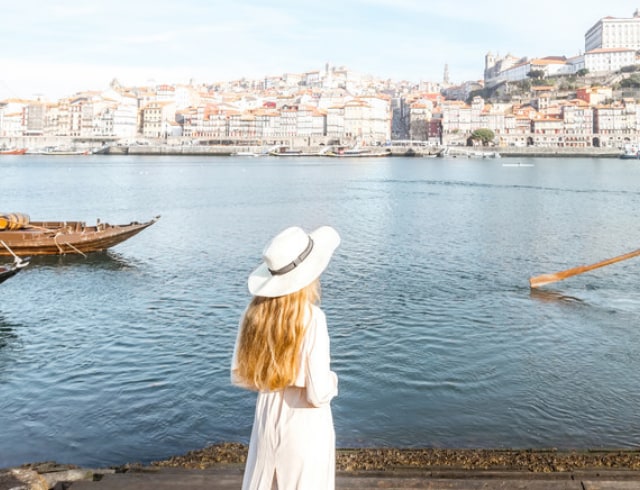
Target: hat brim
column 263, row 283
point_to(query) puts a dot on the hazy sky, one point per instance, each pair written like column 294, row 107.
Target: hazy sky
column 61, row 47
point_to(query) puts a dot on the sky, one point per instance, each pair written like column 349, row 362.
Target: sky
column 58, row 48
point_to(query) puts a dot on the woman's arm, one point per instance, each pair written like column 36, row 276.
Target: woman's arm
column 321, row 382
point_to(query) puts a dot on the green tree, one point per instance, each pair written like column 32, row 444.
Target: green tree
column 632, row 82
column 483, row 134
column 536, row 74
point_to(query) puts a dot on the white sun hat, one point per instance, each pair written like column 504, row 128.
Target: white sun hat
column 293, row 260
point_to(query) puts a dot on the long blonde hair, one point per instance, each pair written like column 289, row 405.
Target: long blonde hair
column 271, row 334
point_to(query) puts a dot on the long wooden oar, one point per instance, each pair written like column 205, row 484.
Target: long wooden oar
column 537, row 281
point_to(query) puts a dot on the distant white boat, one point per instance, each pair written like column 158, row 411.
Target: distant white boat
column 355, row 152
column 518, row 164
column 630, row 154
column 285, row 151
column 58, row 150
column 246, row 154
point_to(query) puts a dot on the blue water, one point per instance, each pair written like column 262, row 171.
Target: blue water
column 437, row 339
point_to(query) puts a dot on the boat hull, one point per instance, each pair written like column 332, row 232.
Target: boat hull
column 7, row 272
column 15, row 151
column 67, row 237
column 363, row 154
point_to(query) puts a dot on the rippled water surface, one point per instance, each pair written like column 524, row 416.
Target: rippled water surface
column 436, row 337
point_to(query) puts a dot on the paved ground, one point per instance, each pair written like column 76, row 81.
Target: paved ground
column 230, row 477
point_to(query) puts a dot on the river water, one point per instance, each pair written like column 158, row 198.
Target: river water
column 437, row 339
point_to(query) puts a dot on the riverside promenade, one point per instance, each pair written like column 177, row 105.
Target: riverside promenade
column 181, row 146
column 394, row 151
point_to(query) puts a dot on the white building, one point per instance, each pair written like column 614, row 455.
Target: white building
column 607, row 60
column 611, row 32
column 549, row 65
column 157, row 119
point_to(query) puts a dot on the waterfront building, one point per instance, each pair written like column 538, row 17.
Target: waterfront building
column 103, row 123
column 578, row 125
column 288, row 121
column 208, row 122
column 546, row 131
column 318, row 122
column 35, row 114
column 125, row 118
column 12, row 124
column 420, row 115
column 267, row 124
column 517, row 127
column 492, row 119
column 242, row 125
column 616, row 124
column 335, row 122
column 367, row 119
column 157, row 119
column 459, row 120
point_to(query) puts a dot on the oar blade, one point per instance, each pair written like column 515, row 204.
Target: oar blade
column 541, row 280
column 544, row 279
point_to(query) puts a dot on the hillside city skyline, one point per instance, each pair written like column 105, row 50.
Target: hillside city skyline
column 84, row 48
column 336, row 104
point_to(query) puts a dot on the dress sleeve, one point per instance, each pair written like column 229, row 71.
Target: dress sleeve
column 321, row 382
column 234, row 360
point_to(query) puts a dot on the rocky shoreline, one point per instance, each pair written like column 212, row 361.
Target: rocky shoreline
column 382, row 459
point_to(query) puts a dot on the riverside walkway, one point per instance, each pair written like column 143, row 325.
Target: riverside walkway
column 230, row 477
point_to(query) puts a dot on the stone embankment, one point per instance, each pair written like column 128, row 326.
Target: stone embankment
column 431, row 151
column 187, row 147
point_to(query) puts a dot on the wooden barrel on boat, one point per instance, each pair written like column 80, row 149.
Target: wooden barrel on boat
column 13, row 221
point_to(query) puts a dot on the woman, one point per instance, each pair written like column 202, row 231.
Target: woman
column 282, row 351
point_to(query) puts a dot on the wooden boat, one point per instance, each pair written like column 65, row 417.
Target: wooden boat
column 26, row 237
column 13, row 151
column 7, row 271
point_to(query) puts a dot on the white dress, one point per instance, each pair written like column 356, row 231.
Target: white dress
column 293, row 440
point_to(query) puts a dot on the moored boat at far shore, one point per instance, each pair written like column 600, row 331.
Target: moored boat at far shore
column 630, row 154
column 57, row 150
column 285, row 151
column 356, row 152
column 13, row 151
